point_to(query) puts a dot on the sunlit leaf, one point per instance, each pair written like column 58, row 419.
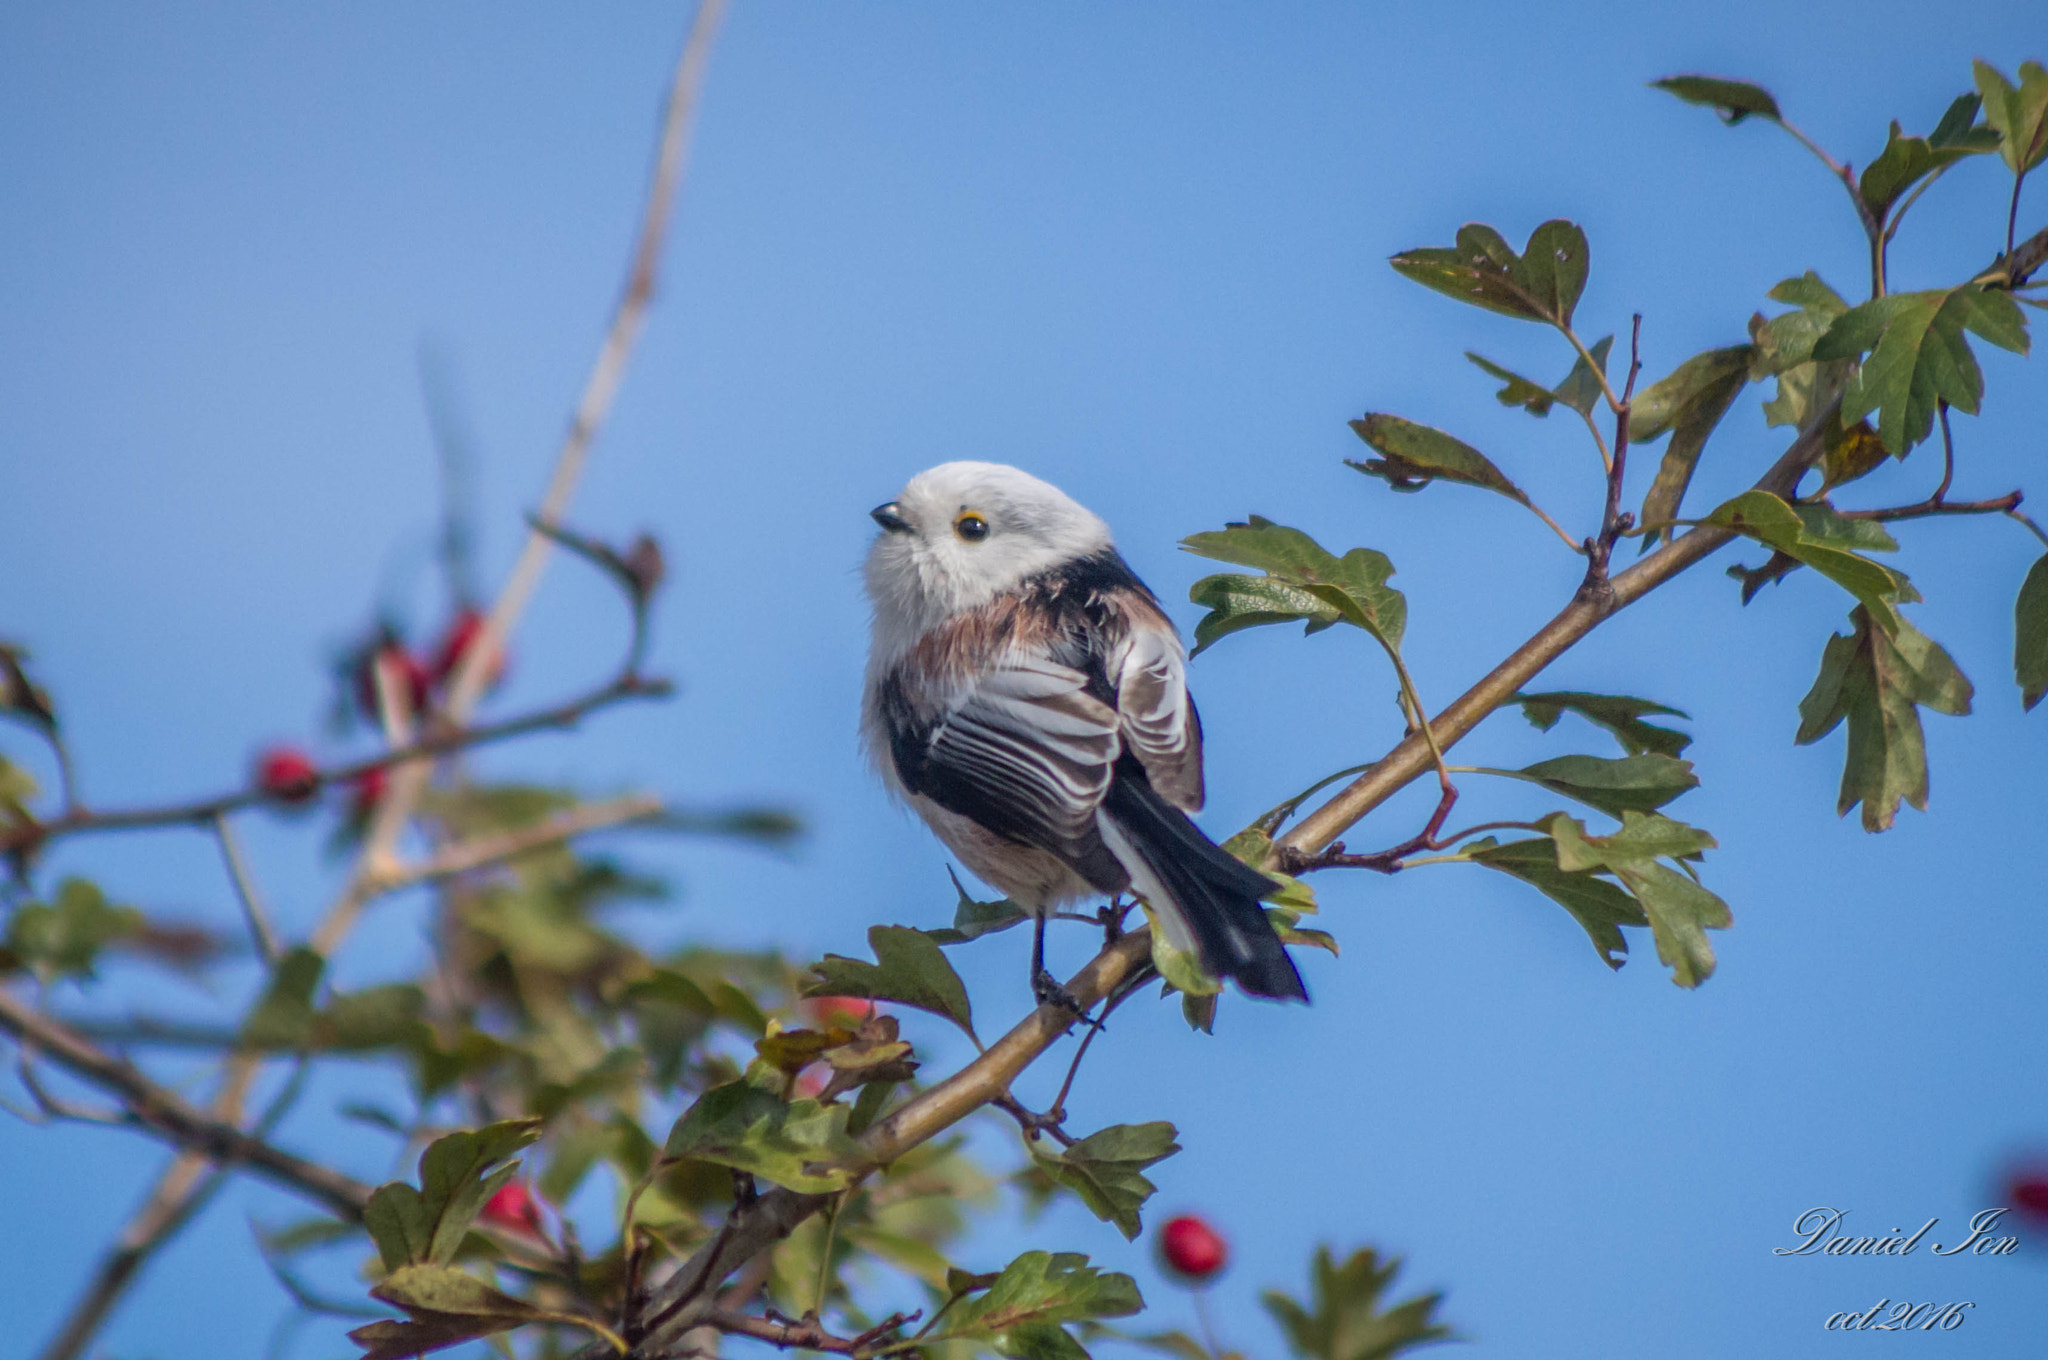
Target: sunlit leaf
column 800, row 1144
column 2018, row 113
column 1105, row 1168
column 1542, row 283
column 1412, row 456
column 909, row 968
column 1689, row 403
column 1303, row 582
column 1879, row 679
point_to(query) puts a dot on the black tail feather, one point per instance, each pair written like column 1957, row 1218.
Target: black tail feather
column 1213, row 893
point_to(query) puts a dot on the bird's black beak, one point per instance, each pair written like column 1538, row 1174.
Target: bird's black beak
column 890, row 517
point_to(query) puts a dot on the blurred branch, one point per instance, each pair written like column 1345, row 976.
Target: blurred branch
column 483, row 851
column 80, row 821
column 210, row 1137
column 177, row 1198
column 628, row 317
column 245, row 890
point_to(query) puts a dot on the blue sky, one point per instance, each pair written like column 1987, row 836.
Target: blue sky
column 1140, row 251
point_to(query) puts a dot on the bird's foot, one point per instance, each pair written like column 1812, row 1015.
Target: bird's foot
column 1049, row 992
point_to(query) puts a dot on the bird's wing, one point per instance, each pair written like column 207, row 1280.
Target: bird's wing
column 1158, row 719
column 1025, row 751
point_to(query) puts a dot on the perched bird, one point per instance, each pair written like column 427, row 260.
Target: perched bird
column 1027, row 696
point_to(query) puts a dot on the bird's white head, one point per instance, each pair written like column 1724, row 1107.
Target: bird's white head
column 961, row 534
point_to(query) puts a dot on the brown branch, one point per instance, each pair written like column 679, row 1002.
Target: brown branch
column 628, row 317
column 1997, row 505
column 805, row 1334
column 174, row 1119
column 482, row 851
column 446, row 741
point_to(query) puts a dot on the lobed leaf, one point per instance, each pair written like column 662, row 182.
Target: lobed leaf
column 1104, row 1170
column 2019, row 114
column 909, row 968
column 1303, row 582
column 1542, row 283
column 1600, row 908
column 1031, row 1298
column 1620, row 714
column 1412, row 456
column 1344, row 1318
column 1679, row 909
column 1919, row 357
column 1905, row 161
column 64, row 936
column 1819, row 538
column 426, row 1226
column 972, row 919
column 1878, row 679
column 792, row 1143
column 1517, row 390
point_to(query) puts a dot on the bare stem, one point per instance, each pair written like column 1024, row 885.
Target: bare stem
column 245, row 890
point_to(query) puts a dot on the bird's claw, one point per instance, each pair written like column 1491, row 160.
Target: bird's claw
column 1047, row 989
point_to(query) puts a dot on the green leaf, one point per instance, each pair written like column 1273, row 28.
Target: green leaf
column 1906, row 161
column 1518, row 391
column 1543, row 283
column 2019, row 114
column 1919, row 357
column 1039, row 1290
column 1344, row 1318
column 1104, row 1170
column 792, row 1143
column 1680, row 910
column 64, row 937
column 448, row 1306
column 1253, row 846
column 1734, row 100
column 20, row 696
column 1599, row 907
column 972, row 919
column 1809, row 292
column 2030, row 635
column 909, row 968
column 1640, row 783
column 1181, row 968
column 426, row 1226
column 1303, row 582
column 1821, row 541
column 1620, row 714
column 283, row 1018
column 1689, row 403
column 1412, row 456
column 1583, row 386
column 1879, row 679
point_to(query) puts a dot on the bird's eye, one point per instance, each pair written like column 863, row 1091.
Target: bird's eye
column 971, row 526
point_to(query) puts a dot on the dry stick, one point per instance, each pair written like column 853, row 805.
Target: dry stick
column 245, row 890
column 483, row 851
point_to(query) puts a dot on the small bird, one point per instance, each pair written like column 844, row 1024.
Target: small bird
column 1027, row 696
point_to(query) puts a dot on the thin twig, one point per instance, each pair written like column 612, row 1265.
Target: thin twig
column 806, row 1334
column 482, row 851
column 2029, row 522
column 171, row 1117
column 245, row 890
column 1997, row 505
column 445, row 741
column 628, row 317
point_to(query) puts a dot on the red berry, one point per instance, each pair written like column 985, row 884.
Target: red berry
column 462, row 633
column 408, row 681
column 811, row 1081
column 514, row 1209
column 2027, row 1192
column 839, row 1012
column 1192, row 1249
column 287, row 775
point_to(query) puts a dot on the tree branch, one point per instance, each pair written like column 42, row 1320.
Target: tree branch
column 174, row 1119
column 483, row 851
